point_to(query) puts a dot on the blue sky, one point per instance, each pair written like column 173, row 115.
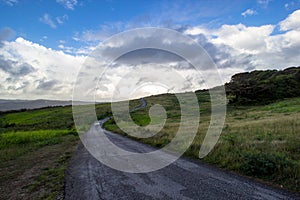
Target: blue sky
column 43, row 43
column 111, row 16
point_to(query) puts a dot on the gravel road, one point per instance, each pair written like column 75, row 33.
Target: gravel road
column 87, row 178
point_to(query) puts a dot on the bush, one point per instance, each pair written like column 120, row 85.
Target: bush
column 261, row 87
column 263, row 164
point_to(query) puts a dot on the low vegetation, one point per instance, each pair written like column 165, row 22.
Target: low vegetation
column 261, row 141
column 35, row 146
column 258, row 87
column 260, row 137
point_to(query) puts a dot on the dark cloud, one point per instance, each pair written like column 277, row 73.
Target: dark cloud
column 145, row 56
column 6, row 34
column 222, row 55
column 148, row 55
column 15, row 68
column 47, row 85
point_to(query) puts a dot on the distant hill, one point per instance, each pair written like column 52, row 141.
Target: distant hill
column 260, row 87
column 7, row 105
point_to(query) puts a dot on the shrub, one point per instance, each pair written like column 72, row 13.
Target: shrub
column 263, row 164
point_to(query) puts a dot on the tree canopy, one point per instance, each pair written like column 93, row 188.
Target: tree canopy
column 258, row 87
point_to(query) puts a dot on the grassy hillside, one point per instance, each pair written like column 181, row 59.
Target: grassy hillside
column 258, row 141
column 35, row 146
column 7, row 105
column 260, row 137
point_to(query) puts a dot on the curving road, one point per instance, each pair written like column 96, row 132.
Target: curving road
column 143, row 105
column 87, row 178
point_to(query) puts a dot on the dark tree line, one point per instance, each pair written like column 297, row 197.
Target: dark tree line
column 259, row 87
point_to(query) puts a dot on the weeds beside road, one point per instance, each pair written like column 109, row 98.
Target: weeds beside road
column 257, row 141
column 35, row 147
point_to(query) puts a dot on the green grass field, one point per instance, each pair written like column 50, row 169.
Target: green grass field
column 257, row 141
column 35, row 147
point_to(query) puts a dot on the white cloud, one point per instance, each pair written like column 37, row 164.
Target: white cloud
column 289, row 5
column 197, row 30
column 126, row 81
column 249, row 12
column 264, row 3
column 152, row 66
column 292, row 4
column 291, row 22
column 61, row 46
column 46, row 19
column 243, row 38
column 85, row 50
column 37, row 71
column 68, row 4
column 257, row 46
column 62, row 19
column 100, row 34
column 44, row 38
column 10, row 2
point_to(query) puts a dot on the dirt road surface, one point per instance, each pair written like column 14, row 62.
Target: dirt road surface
column 87, row 178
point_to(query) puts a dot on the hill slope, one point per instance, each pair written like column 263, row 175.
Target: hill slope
column 264, row 86
column 7, row 105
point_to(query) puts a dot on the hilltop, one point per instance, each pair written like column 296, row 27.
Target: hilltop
column 266, row 86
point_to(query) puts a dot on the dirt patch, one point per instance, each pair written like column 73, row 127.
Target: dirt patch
column 26, row 177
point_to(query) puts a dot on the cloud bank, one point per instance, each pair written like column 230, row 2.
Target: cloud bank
column 30, row 70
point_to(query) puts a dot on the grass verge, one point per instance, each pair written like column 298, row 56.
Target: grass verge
column 257, row 141
column 33, row 163
column 35, row 146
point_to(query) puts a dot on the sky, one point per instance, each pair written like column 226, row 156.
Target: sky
column 43, row 44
